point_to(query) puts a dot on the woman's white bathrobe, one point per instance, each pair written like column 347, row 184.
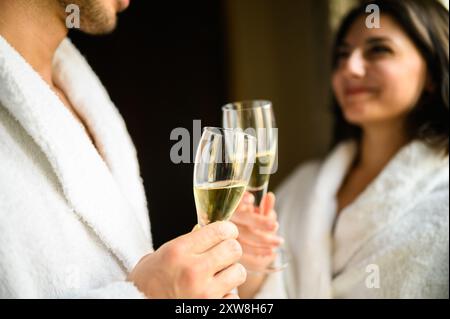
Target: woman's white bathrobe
column 72, row 222
column 391, row 242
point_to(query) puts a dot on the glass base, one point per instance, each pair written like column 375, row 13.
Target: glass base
column 281, row 262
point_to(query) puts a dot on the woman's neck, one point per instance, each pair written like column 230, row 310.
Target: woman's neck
column 379, row 143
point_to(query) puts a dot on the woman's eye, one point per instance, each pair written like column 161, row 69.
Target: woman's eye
column 379, row 49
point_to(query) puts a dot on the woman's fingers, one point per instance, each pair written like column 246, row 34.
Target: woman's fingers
column 257, row 251
column 248, row 198
column 257, row 263
column 231, row 296
column 245, row 215
column 258, row 238
column 257, row 232
column 267, row 204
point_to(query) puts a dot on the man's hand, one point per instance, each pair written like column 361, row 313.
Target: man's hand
column 200, row 264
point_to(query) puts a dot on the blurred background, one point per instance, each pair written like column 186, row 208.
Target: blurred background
column 171, row 62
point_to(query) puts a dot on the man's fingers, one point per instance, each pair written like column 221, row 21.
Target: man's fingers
column 228, row 279
column 222, row 255
column 210, row 235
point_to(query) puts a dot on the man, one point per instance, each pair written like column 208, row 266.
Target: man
column 73, row 214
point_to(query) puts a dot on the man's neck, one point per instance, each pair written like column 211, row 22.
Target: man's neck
column 35, row 29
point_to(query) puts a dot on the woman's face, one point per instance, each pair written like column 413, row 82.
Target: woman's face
column 379, row 75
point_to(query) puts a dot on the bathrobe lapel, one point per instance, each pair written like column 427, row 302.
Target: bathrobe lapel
column 315, row 241
column 73, row 74
column 94, row 187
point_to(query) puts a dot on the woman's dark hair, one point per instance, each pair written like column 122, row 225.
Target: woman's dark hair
column 426, row 24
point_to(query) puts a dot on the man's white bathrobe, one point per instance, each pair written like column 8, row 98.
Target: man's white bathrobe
column 73, row 222
column 391, row 242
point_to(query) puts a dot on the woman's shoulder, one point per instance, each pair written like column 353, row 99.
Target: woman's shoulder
column 432, row 198
column 294, row 191
column 304, row 176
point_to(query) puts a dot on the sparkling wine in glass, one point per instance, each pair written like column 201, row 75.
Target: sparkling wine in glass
column 256, row 118
column 222, row 170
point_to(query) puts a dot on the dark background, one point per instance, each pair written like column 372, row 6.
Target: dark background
column 163, row 67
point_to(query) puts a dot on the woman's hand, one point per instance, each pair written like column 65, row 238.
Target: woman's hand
column 258, row 238
column 200, row 264
column 257, row 231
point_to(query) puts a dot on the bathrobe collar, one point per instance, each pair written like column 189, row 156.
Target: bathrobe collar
column 94, row 187
column 411, row 174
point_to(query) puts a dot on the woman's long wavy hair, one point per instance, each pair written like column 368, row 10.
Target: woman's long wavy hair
column 426, row 22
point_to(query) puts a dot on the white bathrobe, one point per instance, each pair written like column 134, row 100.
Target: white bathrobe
column 391, row 242
column 73, row 222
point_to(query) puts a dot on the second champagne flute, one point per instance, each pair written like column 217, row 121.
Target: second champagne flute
column 256, row 118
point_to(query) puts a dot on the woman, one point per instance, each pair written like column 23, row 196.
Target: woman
column 371, row 220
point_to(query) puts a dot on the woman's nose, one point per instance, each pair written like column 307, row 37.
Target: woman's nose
column 355, row 64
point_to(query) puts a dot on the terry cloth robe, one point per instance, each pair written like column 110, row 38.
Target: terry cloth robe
column 392, row 241
column 73, row 220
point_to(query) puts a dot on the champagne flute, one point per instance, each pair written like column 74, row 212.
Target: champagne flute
column 256, row 118
column 223, row 165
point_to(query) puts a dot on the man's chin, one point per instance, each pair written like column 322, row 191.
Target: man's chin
column 100, row 29
column 122, row 5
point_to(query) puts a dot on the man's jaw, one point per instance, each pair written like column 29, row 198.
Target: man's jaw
column 122, row 5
